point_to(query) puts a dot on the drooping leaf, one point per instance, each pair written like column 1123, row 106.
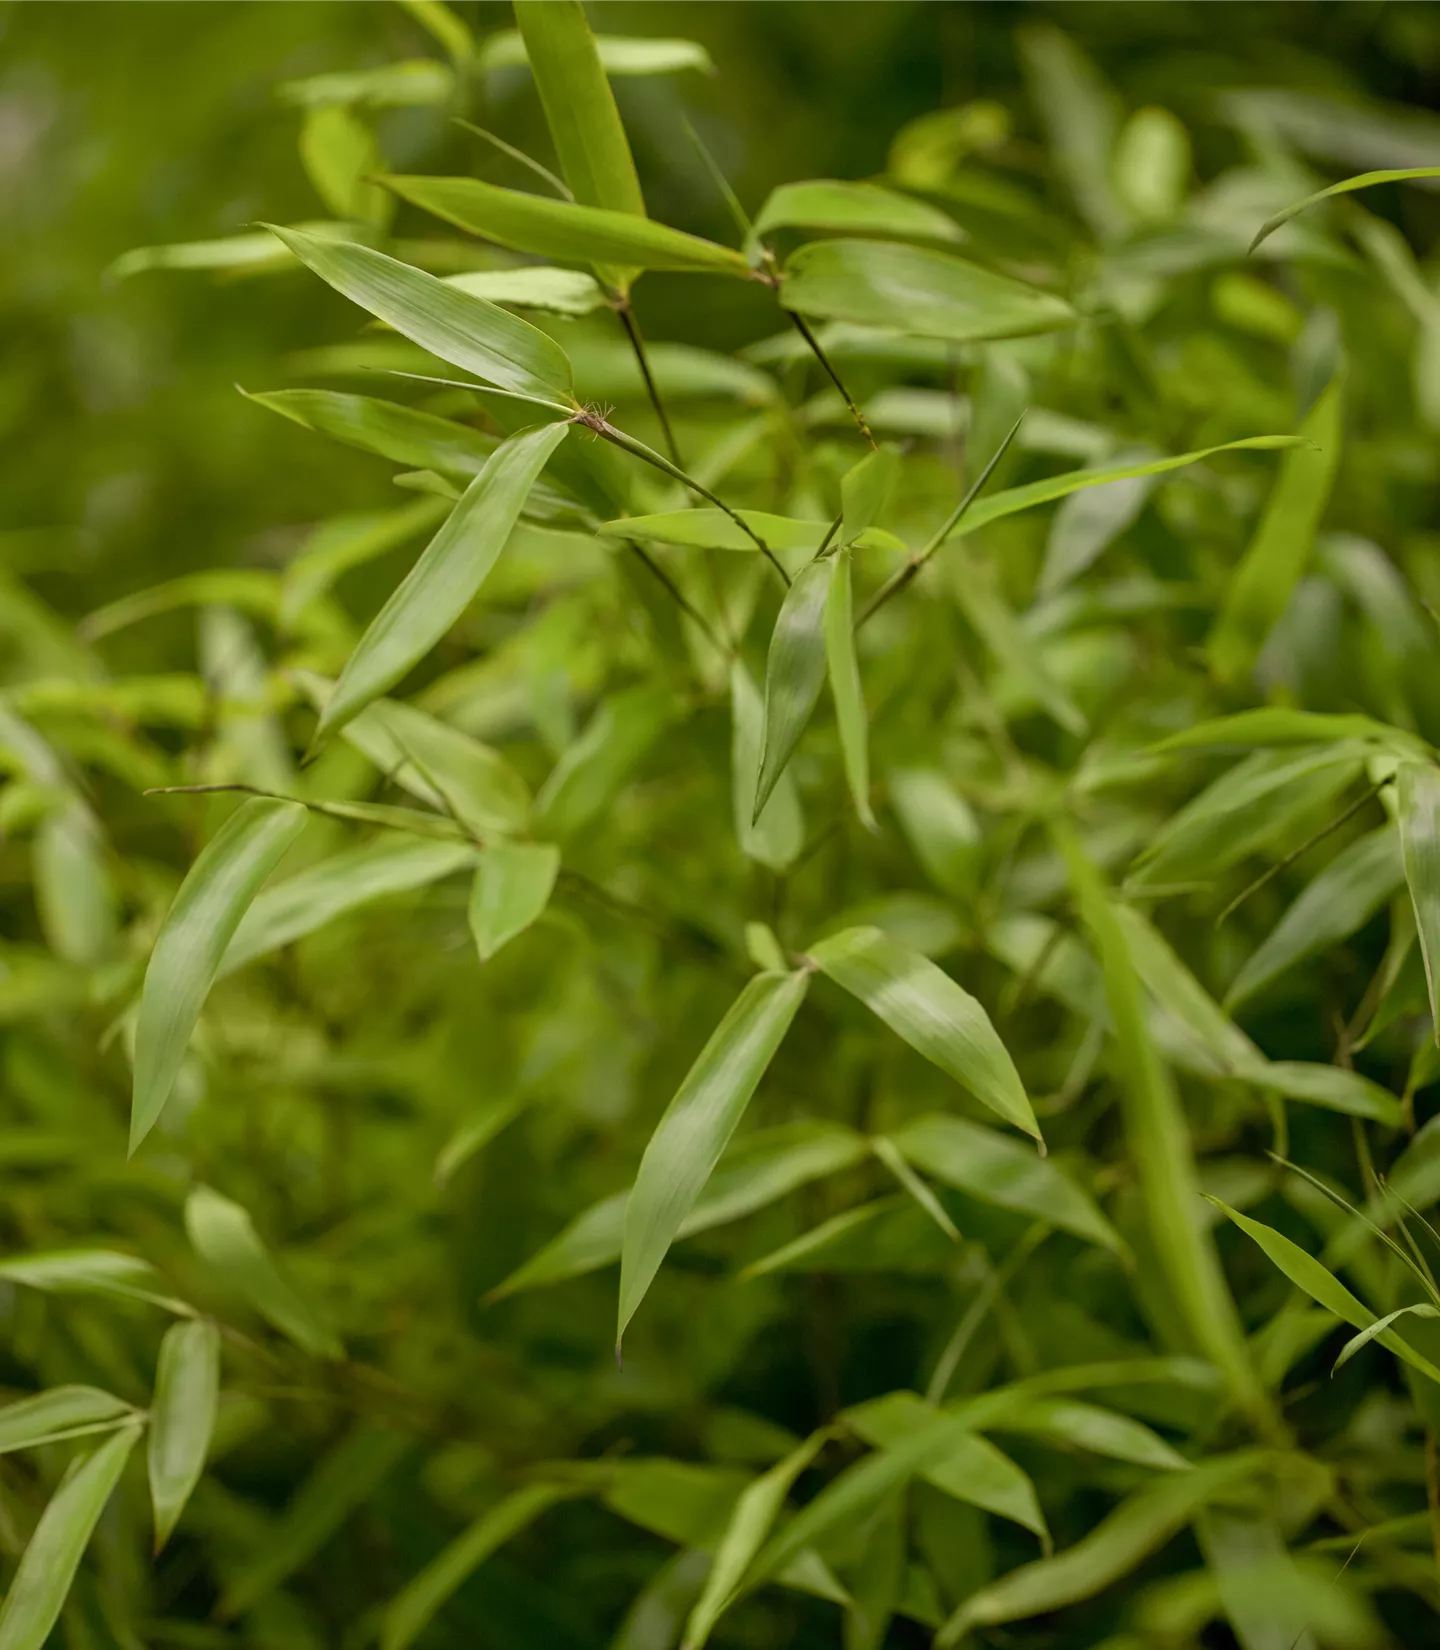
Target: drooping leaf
column 49, row 1563
column 1262, row 584
column 306, row 902
column 1142, row 1523
column 710, row 529
column 419, row 440
column 845, row 208
column 750, row 1523
column 345, row 1480
column 510, row 889
column 182, row 1417
column 1086, row 523
column 565, row 230
column 415, row 1605
column 192, row 942
column 592, row 769
column 937, row 1017
column 777, row 836
column 882, row 283
column 1307, row 1273
column 444, row 581
column 697, row 1125
column 1159, row 1145
column 62, row 1412
column 843, row 667
column 224, row 1237
column 1277, row 725
column 794, row 673
column 1342, row 898
column 1365, row 180
column 457, row 326
column 1421, row 1309
column 997, row 1169
column 755, row 1171
column 1417, row 787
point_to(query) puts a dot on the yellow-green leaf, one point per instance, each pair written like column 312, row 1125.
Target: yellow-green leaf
column 1364, row 180
column 794, row 673
column 1418, row 792
column 510, row 889
column 182, row 1417
column 844, row 669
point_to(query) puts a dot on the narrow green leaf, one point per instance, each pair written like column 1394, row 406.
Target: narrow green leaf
column 413, row 83
column 1076, row 1425
column 73, row 892
column 834, row 1244
column 419, row 440
column 590, row 773
column 843, row 208
column 913, row 290
column 457, row 326
column 415, row 1606
column 777, row 836
column 1277, row 725
column 958, row 1461
column 224, row 1236
column 452, row 32
column 567, row 292
column 755, row 1514
column 931, row 1012
column 1086, row 523
column 1271, row 567
column 182, row 1417
column 1321, row 1285
column 710, row 529
column 62, row 1412
column 580, row 111
column 865, row 491
column 1361, row 878
column 755, row 1171
column 939, row 826
column 443, row 583
column 697, row 1126
column 1417, row 787
column 1253, row 805
column 794, row 673
column 888, row 1153
column 1365, row 180
column 306, row 902
column 843, row 666
column 255, row 251
column 345, row 1480
column 565, row 230
column 1139, row 1526
column 48, row 1565
column 85, row 1272
column 1420, row 1310
column 511, row 888
column 193, row 939
column 1159, row 1145
column 1330, row 1086
column 997, row 1169
column 619, row 54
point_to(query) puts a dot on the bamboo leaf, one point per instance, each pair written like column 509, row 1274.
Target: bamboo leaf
column 415, row 1606
column 443, row 583
column 62, row 1412
column 888, row 1153
column 314, row 897
column 457, row 326
column 1420, row 1309
column 777, row 836
column 1344, row 896
column 1365, row 180
column 913, row 290
column 592, row 770
column 1277, row 725
column 1417, row 787
column 794, row 673
column 1272, row 565
column 846, row 690
column 48, row 1565
column 418, row 440
column 752, row 1520
column 711, row 529
column 865, row 491
column 1321, row 1285
column 619, row 54
column 564, row 230
column 1159, row 1144
column 1139, row 1526
column 224, row 1236
column 1076, row 1425
column 845, row 208
column 182, row 1417
column 697, row 1125
column 931, row 1012
column 567, row 292
column 991, row 1166
column 1331, row 1086
column 510, row 890
column 192, row 942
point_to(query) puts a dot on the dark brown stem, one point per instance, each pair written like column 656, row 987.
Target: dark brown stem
column 652, row 389
column 803, row 329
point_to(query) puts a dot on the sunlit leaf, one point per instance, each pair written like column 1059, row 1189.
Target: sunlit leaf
column 844, row 208
column 1347, row 186
column 511, row 888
